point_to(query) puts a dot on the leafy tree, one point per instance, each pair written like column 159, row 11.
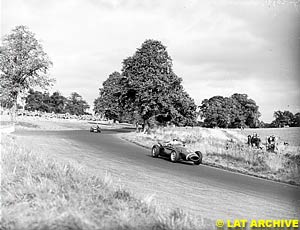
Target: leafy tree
column 150, row 88
column 147, row 90
column 283, row 118
column 58, row 103
column 109, row 97
column 220, row 112
column 38, row 101
column 248, row 108
column 75, row 104
column 33, row 100
column 23, row 64
column 296, row 120
column 232, row 112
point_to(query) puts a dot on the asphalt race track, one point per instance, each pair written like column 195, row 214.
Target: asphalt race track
column 231, row 183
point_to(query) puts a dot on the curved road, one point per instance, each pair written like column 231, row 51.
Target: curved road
column 235, row 191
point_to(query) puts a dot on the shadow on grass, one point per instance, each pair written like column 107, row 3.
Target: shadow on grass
column 5, row 123
column 27, row 124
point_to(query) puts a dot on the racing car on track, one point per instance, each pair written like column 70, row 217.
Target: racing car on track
column 95, row 129
column 176, row 151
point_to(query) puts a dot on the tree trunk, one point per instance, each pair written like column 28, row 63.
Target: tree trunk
column 13, row 110
column 146, row 126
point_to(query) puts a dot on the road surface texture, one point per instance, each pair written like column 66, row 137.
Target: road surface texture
column 200, row 190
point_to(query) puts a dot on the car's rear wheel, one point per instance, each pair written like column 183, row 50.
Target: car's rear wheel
column 155, row 151
column 198, row 162
column 174, row 157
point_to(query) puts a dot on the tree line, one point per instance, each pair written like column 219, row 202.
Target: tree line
column 55, row 103
column 146, row 90
column 283, row 119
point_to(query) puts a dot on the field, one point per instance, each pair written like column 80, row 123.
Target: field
column 41, row 192
column 226, row 148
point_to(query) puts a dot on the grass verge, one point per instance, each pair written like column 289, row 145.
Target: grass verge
column 227, row 149
column 40, row 192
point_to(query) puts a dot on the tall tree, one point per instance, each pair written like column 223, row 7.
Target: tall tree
column 108, row 102
column 152, row 89
column 76, row 105
column 23, row 64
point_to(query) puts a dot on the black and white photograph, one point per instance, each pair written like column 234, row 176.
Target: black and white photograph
column 150, row 114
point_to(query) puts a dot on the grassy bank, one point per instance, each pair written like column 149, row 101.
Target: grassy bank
column 227, row 149
column 40, row 192
column 56, row 124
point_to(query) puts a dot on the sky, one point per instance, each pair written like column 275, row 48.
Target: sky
column 218, row 47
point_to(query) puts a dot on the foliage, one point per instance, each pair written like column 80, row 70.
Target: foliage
column 43, row 102
column 108, row 101
column 230, row 112
column 76, row 105
column 296, row 120
column 37, row 101
column 23, row 64
column 147, row 89
column 286, row 118
column 56, row 103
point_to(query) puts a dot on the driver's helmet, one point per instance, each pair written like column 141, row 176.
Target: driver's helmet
column 176, row 141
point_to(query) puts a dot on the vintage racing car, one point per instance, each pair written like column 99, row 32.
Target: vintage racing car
column 176, row 151
column 95, row 129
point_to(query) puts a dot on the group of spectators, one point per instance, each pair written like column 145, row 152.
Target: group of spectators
column 271, row 142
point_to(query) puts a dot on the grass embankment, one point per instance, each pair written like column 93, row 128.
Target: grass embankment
column 228, row 149
column 40, row 192
column 56, row 124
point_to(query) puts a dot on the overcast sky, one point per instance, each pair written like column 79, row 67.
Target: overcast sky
column 217, row 47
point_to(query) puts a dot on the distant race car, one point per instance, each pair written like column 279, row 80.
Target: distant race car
column 95, row 129
column 176, row 151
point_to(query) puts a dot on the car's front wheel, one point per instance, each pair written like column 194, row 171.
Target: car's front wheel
column 155, row 151
column 198, row 162
column 174, row 157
